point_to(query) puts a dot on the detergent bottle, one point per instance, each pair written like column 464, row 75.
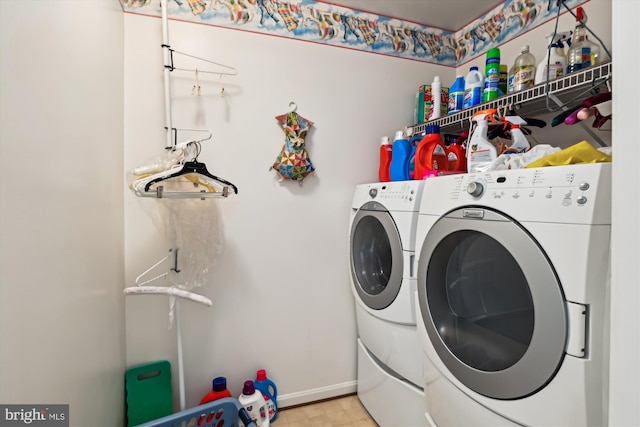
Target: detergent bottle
column 255, row 405
column 431, row 154
column 401, row 155
column 414, row 141
column 474, row 88
column 385, row 159
column 218, row 391
column 457, row 157
column 456, row 96
column 555, row 58
column 269, row 392
column 519, row 143
column 481, row 153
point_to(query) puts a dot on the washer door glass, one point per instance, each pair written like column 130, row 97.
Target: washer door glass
column 480, row 302
column 376, row 256
column 491, row 303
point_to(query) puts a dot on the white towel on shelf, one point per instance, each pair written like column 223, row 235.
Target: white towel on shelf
column 521, row 160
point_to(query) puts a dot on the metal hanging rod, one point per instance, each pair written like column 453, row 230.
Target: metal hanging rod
column 172, row 67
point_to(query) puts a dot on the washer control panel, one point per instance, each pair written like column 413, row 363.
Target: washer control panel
column 533, row 193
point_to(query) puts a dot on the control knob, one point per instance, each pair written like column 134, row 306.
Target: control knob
column 373, row 192
column 475, row 188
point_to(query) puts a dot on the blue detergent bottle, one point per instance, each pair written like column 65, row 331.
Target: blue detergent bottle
column 412, row 159
column 456, row 95
column 401, row 154
column 269, row 392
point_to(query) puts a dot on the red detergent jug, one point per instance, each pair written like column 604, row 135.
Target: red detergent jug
column 457, row 157
column 431, row 154
column 219, row 391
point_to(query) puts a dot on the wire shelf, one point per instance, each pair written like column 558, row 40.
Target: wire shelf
column 529, row 102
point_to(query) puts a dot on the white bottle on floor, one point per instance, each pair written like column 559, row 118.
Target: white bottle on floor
column 255, row 405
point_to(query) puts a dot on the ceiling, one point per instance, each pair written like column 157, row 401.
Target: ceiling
column 446, row 14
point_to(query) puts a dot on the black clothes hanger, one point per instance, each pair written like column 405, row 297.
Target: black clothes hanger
column 192, row 167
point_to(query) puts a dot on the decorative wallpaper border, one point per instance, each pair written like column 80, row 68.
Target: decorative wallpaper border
column 325, row 23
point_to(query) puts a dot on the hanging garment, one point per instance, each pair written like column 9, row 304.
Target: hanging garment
column 293, row 161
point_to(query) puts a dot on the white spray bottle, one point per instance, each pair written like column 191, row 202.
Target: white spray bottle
column 481, row 153
column 519, row 142
column 555, row 57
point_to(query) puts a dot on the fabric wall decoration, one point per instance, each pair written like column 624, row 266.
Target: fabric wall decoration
column 293, row 162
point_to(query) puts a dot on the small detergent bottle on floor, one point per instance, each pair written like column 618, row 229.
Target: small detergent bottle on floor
column 269, row 392
column 253, row 402
column 400, row 157
column 218, row 391
column 431, row 154
column 456, row 95
column 385, row 159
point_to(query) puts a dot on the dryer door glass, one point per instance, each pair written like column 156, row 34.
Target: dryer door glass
column 491, row 303
column 376, row 258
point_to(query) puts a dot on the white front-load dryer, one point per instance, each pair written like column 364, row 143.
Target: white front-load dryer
column 512, row 292
column 383, row 281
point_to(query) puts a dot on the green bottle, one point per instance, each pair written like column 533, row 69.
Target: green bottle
column 492, row 75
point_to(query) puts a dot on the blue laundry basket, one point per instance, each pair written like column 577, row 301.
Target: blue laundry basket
column 223, row 412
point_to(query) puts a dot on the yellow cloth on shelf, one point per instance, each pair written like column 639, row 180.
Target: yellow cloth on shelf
column 582, row 152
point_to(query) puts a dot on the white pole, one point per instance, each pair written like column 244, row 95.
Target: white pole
column 167, row 79
column 180, row 363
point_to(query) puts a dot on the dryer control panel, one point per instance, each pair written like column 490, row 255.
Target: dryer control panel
column 394, row 196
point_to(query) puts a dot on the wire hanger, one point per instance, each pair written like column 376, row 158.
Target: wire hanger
column 141, row 287
column 232, row 70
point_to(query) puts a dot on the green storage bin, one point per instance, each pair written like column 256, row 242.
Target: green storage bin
column 148, row 389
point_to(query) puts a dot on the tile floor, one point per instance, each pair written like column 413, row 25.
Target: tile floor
column 341, row 412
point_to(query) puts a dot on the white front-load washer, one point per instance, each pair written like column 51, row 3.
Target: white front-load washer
column 512, row 292
column 383, row 280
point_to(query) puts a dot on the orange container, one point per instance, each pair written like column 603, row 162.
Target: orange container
column 457, row 156
column 431, row 154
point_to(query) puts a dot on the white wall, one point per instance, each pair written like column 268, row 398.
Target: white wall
column 624, row 387
column 61, row 303
column 281, row 286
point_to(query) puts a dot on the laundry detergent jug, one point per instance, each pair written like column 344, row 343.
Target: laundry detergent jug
column 269, row 392
column 431, row 154
column 255, row 405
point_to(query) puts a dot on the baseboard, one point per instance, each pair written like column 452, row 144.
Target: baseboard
column 313, row 395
